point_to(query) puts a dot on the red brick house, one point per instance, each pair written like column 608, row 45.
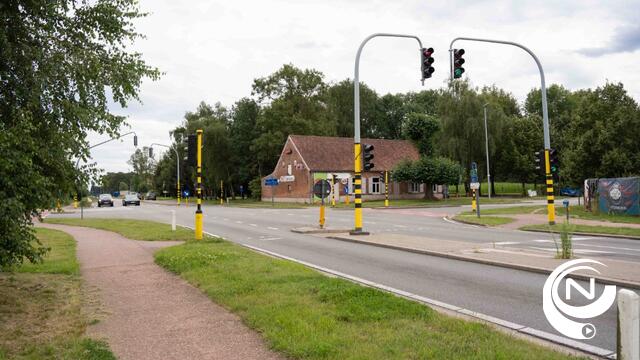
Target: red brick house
column 306, row 159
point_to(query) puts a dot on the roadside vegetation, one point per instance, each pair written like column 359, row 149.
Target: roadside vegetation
column 587, row 229
column 129, row 228
column 41, row 312
column 252, row 203
column 307, row 315
column 453, row 201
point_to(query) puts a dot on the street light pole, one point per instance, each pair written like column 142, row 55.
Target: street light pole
column 486, row 146
column 356, row 131
column 135, row 143
column 551, row 214
column 177, row 168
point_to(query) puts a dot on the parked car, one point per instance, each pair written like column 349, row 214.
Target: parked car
column 131, row 199
column 567, row 191
column 150, row 196
column 105, row 200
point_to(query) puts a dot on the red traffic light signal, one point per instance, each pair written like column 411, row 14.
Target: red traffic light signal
column 426, row 61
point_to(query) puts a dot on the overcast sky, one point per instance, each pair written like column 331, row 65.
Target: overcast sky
column 212, row 50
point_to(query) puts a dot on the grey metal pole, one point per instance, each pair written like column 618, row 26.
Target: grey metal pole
column 486, row 138
column 356, row 130
column 177, row 160
column 356, row 80
column 543, row 87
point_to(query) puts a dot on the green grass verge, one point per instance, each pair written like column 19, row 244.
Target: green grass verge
column 306, row 315
column 132, row 229
column 484, row 220
column 606, row 230
column 430, row 203
column 61, row 258
column 579, row 212
column 529, row 209
column 41, row 314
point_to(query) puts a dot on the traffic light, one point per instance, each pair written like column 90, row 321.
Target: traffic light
column 427, row 61
column 458, row 70
column 150, row 152
column 540, row 161
column 135, row 140
column 192, row 151
column 367, row 157
column 553, row 161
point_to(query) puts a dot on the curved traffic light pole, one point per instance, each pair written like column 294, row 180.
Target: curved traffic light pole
column 356, row 127
column 545, row 117
column 177, row 167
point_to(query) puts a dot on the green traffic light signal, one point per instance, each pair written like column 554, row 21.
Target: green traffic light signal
column 457, row 73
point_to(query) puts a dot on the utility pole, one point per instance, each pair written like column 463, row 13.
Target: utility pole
column 551, row 214
column 486, row 139
column 357, row 150
column 198, row 234
column 177, row 168
column 221, row 192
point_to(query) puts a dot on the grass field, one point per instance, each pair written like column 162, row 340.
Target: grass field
column 529, row 209
column 606, row 230
column 483, row 220
column 453, row 201
column 306, row 315
column 132, row 229
column 578, row 212
column 250, row 203
column 41, row 313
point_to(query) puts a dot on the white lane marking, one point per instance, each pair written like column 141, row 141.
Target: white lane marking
column 610, row 247
column 399, row 226
column 272, row 228
column 238, row 222
column 225, row 219
column 253, row 225
column 289, row 214
column 575, row 251
column 502, row 323
column 270, row 238
column 506, row 243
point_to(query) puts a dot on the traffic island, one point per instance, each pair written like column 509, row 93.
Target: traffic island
column 317, row 230
column 617, row 272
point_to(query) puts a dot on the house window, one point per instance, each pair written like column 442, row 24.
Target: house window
column 414, row 187
column 375, row 185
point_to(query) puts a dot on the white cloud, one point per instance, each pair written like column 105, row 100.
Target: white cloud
column 212, row 50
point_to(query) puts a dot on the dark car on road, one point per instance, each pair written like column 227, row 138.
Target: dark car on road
column 150, row 196
column 131, row 199
column 105, row 200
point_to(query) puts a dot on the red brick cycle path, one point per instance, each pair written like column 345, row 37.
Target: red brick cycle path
column 153, row 314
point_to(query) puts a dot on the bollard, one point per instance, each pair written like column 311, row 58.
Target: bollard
column 628, row 325
column 173, row 220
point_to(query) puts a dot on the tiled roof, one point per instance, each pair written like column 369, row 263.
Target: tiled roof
column 324, row 153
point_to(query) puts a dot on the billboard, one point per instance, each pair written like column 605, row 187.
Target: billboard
column 619, row 196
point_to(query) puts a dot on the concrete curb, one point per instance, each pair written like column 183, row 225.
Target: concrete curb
column 601, row 279
column 501, row 325
column 466, row 222
column 585, row 233
column 319, row 231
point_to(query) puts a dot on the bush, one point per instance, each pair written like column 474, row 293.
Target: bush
column 255, row 188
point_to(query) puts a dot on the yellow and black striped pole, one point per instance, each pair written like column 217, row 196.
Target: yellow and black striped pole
column 178, row 189
column 386, row 188
column 357, row 188
column 551, row 210
column 199, row 185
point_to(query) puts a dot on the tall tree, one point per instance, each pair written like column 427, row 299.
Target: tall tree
column 604, row 135
column 143, row 169
column 61, row 61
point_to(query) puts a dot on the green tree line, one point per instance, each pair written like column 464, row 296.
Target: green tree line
column 595, row 130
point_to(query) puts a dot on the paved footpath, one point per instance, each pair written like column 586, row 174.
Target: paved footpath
column 153, row 314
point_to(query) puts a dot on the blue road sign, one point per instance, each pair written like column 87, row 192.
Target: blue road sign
column 346, row 189
column 474, row 172
column 271, row 182
column 185, row 193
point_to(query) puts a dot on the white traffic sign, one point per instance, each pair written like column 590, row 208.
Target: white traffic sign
column 474, row 185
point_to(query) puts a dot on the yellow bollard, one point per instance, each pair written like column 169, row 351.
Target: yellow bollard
column 473, row 201
column 321, row 216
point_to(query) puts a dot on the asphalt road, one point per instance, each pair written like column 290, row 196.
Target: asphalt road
column 508, row 294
